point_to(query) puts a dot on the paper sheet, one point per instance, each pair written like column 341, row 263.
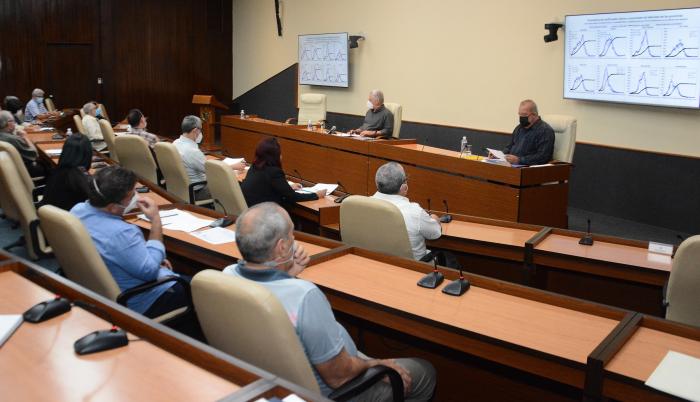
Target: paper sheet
column 678, row 375
column 233, row 161
column 216, row 235
column 175, row 219
column 320, row 186
column 53, row 152
column 8, row 324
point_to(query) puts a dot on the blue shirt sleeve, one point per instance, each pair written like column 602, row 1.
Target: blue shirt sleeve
column 138, row 258
column 320, row 334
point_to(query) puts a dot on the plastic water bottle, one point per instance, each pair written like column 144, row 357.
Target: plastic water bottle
column 242, row 114
column 463, row 145
column 69, row 132
column 309, row 126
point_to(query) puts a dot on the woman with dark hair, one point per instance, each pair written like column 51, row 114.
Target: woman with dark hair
column 68, row 183
column 266, row 180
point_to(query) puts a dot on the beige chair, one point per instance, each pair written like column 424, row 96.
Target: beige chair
column 82, row 263
column 82, row 113
column 79, row 124
column 34, row 192
column 48, row 102
column 173, row 170
column 362, row 218
column 396, row 110
column 234, row 314
column 109, row 138
column 224, row 187
column 565, row 136
column 22, row 204
column 311, row 107
column 135, row 155
column 683, row 292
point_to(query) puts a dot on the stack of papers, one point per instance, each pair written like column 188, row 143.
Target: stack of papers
column 8, row 324
column 677, row 374
column 53, row 152
column 176, row 219
column 233, row 161
column 499, row 158
column 216, row 235
column 318, row 187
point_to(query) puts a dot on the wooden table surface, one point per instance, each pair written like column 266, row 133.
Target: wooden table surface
column 487, row 233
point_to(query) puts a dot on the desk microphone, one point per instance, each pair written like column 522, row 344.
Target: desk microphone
column 99, row 341
column 342, row 197
column 424, row 143
column 457, row 287
column 332, row 130
column 447, row 218
column 433, row 279
column 301, row 179
column 587, row 240
column 224, row 221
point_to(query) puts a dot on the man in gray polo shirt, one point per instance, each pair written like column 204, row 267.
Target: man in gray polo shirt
column 379, row 121
column 271, row 257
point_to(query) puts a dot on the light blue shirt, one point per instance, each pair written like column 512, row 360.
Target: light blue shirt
column 322, row 337
column 130, row 259
column 33, row 109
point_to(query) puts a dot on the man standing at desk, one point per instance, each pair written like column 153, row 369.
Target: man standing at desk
column 379, row 121
column 532, row 142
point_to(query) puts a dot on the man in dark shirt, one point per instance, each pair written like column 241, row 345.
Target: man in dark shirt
column 22, row 143
column 532, row 142
column 379, row 121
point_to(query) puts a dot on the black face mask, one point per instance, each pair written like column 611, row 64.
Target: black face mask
column 524, row 121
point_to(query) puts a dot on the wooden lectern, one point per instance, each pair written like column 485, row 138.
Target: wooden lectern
column 207, row 105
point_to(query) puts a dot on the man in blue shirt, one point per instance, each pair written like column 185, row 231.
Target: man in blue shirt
column 35, row 107
column 131, row 259
column 271, row 257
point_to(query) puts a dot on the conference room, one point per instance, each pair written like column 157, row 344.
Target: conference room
column 395, row 200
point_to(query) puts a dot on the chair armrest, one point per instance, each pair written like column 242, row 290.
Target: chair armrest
column 124, row 297
column 664, row 296
column 190, row 190
column 367, row 379
column 291, row 120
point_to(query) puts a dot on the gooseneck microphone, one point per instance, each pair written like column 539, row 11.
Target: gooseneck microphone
column 424, row 144
column 458, row 286
column 587, row 240
column 332, row 130
column 344, row 196
column 447, row 218
column 225, row 220
column 433, row 279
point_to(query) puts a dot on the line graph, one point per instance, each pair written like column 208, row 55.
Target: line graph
column 646, row 47
column 682, row 50
column 610, row 45
column 323, row 59
column 644, row 88
column 582, row 45
column 677, row 89
column 607, row 78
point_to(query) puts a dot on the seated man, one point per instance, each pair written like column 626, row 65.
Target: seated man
column 131, row 260
column 379, row 121
column 19, row 140
column 138, row 124
column 13, row 105
column 392, row 186
column 35, row 108
column 92, row 126
column 271, row 257
column 192, row 157
column 532, row 142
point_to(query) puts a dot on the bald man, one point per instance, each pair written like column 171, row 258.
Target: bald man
column 532, row 142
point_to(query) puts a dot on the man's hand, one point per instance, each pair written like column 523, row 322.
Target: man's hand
column 238, row 166
column 166, row 264
column 391, row 363
column 435, row 217
column 149, row 208
column 368, row 133
column 512, row 159
column 296, row 186
column 321, row 193
column 301, row 259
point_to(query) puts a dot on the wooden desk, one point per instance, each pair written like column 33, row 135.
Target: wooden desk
column 534, row 195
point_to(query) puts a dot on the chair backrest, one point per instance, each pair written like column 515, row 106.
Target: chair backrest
column 395, row 109
column 135, row 154
column 244, row 319
column 19, row 164
column 683, row 293
column 109, row 138
column 223, row 186
column 82, row 113
column 75, row 251
column 104, row 111
column 565, row 136
column 48, row 102
column 312, row 107
column 173, row 169
column 79, row 124
column 374, row 224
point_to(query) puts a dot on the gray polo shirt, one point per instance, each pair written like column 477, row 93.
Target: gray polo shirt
column 381, row 120
column 27, row 152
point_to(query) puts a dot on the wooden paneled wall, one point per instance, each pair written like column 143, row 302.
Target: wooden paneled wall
column 150, row 54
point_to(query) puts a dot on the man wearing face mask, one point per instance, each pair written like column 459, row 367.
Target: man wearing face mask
column 193, row 159
column 271, row 257
column 35, row 108
column 130, row 258
column 92, row 126
column 379, row 121
column 532, row 142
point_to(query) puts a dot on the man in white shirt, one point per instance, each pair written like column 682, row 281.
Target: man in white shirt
column 92, row 126
column 193, row 159
column 392, row 186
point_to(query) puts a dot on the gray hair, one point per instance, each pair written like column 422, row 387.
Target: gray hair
column 259, row 228
column 89, row 107
column 389, row 178
column 531, row 103
column 378, row 95
column 37, row 92
column 191, row 122
column 5, row 119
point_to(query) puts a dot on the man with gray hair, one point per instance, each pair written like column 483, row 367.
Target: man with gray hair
column 271, row 258
column 35, row 108
column 392, row 186
column 92, row 126
column 22, row 143
column 192, row 157
column 379, row 121
column 532, row 142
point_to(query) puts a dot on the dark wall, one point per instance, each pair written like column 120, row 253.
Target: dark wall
column 655, row 189
column 151, row 54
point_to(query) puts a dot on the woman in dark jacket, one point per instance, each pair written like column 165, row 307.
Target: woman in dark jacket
column 266, row 180
column 68, row 183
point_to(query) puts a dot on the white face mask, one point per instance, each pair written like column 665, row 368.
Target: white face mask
column 199, row 138
column 277, row 264
column 132, row 204
column 369, row 105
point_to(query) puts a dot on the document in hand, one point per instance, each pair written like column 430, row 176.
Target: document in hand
column 175, row 219
column 233, row 161
column 499, row 158
column 8, row 324
column 320, row 186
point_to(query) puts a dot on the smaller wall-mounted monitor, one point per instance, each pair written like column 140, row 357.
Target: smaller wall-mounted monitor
column 323, row 59
column 642, row 57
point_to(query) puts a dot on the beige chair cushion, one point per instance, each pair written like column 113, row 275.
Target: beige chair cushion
column 244, row 319
column 223, row 186
column 49, row 105
column 173, row 169
column 374, row 224
column 565, row 136
column 79, row 124
column 134, row 154
column 683, row 293
column 396, row 110
column 109, row 138
column 312, row 107
column 19, row 164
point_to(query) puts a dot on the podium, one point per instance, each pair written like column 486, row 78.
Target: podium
column 207, row 112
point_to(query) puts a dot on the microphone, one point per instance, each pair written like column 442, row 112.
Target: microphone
column 433, row 279
column 332, row 130
column 298, row 175
column 424, row 143
column 458, row 286
column 587, row 240
column 342, row 197
column 98, row 341
column 224, row 221
column 447, row 218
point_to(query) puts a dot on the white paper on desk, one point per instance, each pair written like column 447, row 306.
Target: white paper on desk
column 345, row 135
column 216, row 235
column 176, row 219
column 53, row 152
column 233, row 161
column 46, row 129
column 320, row 186
column 8, row 325
column 546, row 164
column 678, row 375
